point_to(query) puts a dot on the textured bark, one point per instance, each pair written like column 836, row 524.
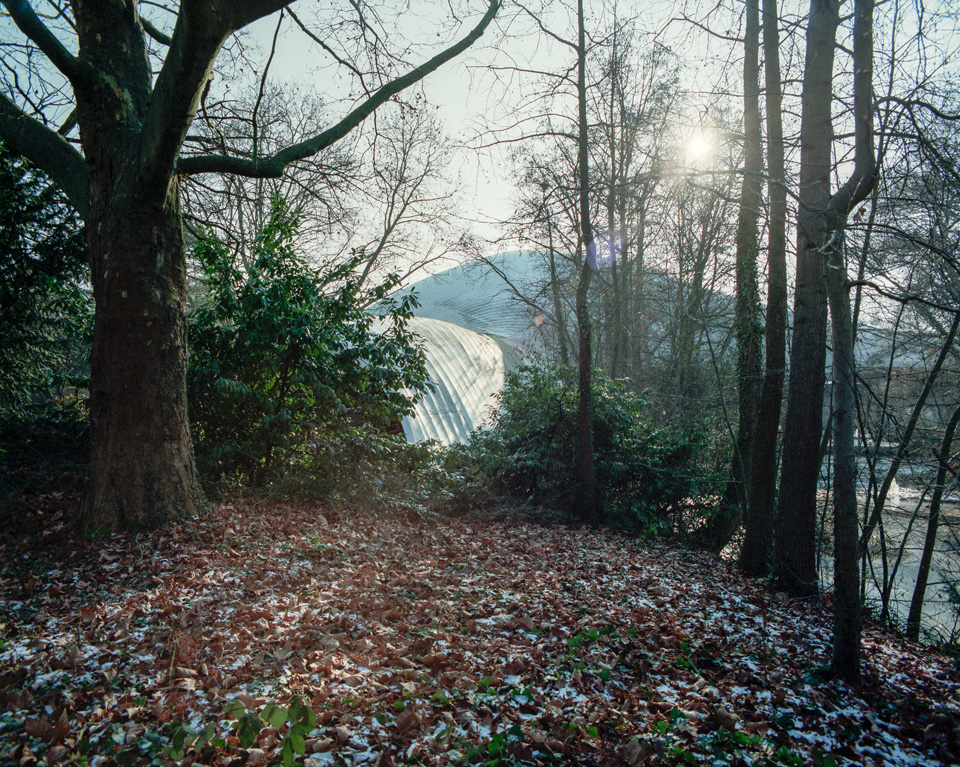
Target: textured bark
column 933, row 525
column 755, row 553
column 845, row 660
column 821, row 272
column 795, row 560
column 142, row 471
column 587, row 497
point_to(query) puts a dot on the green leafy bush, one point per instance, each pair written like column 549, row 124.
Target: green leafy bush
column 45, row 308
column 284, row 355
column 45, row 322
column 644, row 471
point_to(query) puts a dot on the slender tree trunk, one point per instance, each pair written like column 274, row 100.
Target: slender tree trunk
column 747, row 306
column 846, row 609
column 822, row 219
column 822, row 270
column 639, row 316
column 587, row 501
column 617, row 345
column 558, row 312
column 933, row 524
column 795, row 556
column 758, row 528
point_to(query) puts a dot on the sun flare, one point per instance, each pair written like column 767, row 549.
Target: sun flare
column 699, row 148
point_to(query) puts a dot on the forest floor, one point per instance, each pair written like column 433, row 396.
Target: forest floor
column 427, row 640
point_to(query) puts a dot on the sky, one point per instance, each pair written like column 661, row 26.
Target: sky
column 476, row 95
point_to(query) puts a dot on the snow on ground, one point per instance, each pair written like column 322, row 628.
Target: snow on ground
column 435, row 641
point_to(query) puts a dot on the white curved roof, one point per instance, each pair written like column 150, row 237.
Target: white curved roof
column 475, row 328
column 467, row 370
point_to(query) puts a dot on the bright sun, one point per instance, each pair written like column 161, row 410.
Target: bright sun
column 699, row 147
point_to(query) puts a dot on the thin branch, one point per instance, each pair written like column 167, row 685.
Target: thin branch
column 273, row 167
column 704, row 28
column 911, row 103
column 263, row 84
column 30, row 24
column 340, row 60
column 904, row 298
column 546, row 31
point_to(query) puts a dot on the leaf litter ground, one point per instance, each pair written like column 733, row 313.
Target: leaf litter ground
column 428, row 640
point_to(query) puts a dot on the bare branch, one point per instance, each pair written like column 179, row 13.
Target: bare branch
column 200, row 32
column 911, row 103
column 340, row 60
column 704, row 28
column 546, row 31
column 30, row 24
column 273, row 167
column 154, row 32
column 69, row 124
column 903, row 298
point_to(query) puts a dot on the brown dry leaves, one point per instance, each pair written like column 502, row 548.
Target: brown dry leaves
column 434, row 641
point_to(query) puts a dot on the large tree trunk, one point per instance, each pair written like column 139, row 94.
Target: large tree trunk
column 758, row 526
column 142, row 472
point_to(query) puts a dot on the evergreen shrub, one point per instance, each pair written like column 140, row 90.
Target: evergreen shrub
column 645, row 470
column 286, row 363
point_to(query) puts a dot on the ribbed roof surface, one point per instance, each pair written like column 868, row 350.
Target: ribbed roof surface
column 475, row 328
column 467, row 370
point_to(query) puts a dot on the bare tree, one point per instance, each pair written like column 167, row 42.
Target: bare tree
column 821, row 272
column 409, row 200
column 235, row 206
